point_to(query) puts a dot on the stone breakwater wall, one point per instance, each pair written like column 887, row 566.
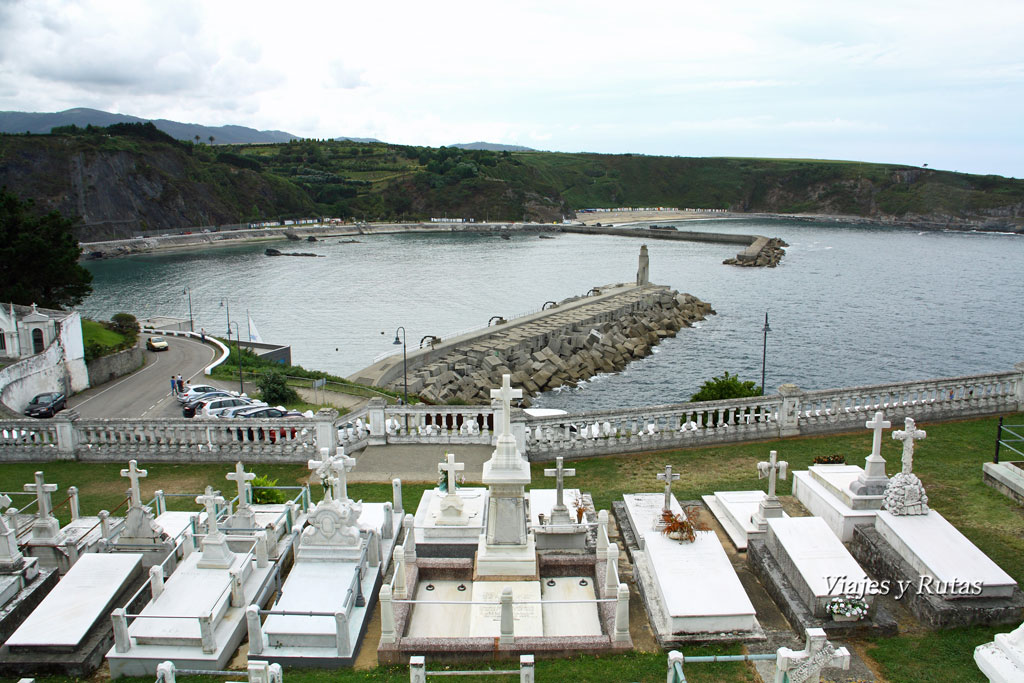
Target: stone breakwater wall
column 561, row 348
column 763, row 253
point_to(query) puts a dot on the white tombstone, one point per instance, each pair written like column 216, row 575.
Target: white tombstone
column 804, row 666
column 904, row 494
column 668, row 476
column 140, row 526
column 560, row 513
column 216, row 553
column 244, row 516
column 10, row 556
column 46, row 527
column 1002, row 660
column 770, row 506
column 873, row 480
column 451, row 504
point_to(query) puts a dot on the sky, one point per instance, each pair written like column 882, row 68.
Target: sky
column 930, row 82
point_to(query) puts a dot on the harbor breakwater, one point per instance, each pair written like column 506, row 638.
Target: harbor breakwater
column 570, row 342
column 759, row 251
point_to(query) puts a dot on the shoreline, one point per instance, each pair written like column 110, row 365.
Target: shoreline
column 155, row 244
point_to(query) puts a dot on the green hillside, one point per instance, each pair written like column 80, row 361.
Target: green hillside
column 131, row 177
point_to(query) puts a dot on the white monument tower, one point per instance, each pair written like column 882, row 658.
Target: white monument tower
column 506, row 548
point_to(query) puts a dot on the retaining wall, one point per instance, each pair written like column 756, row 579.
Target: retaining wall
column 106, row 368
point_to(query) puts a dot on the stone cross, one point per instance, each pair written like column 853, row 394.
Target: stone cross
column 908, row 435
column 134, row 474
column 877, row 424
column 211, row 499
column 321, row 468
column 506, row 394
column 769, row 469
column 241, row 479
column 340, row 465
column 42, row 491
column 5, row 500
column 558, row 472
column 451, row 467
column 668, row 477
column 804, row 666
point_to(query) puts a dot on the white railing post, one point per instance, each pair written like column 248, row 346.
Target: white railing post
column 789, row 412
column 611, row 582
column 410, row 539
column 375, row 421
column 104, row 523
column 255, row 629
column 622, row 614
column 73, row 496
column 674, row 657
column 526, row 669
column 417, row 669
column 602, row 533
column 396, row 496
column 165, row 672
column 161, row 503
column 398, row 557
column 122, row 641
column 388, row 528
column 262, row 551
column 325, row 431
column 1019, row 367
column 341, row 634
column 387, row 615
column 373, row 550
column 206, row 634
column 237, row 589
column 156, row 581
column 67, row 432
column 508, row 636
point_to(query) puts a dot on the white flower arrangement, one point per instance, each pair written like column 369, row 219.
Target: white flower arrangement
column 847, row 606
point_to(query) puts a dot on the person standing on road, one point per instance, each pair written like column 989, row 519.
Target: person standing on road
column 174, row 385
column 202, row 334
column 181, row 385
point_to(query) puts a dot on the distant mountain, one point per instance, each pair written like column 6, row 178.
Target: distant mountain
column 493, row 147
column 41, row 123
column 347, row 139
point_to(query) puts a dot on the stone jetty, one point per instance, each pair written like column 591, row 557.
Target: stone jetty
column 763, row 253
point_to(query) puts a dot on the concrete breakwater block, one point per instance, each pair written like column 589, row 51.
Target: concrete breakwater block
column 563, row 345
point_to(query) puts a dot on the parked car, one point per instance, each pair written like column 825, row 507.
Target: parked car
column 46, row 405
column 214, row 407
column 266, row 411
column 156, row 344
column 195, row 391
column 232, row 412
column 262, row 433
column 192, row 407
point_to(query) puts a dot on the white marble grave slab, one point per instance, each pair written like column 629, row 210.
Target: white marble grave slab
column 572, row 619
column 174, row 522
column 80, row 599
column 542, row 500
column 696, row 583
column 822, row 502
column 311, row 587
column 935, row 548
column 485, row 620
column 440, row 621
column 429, row 528
column 734, row 510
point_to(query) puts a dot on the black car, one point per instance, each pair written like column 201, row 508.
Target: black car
column 46, row 405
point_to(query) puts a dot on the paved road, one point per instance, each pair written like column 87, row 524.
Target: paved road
column 147, row 391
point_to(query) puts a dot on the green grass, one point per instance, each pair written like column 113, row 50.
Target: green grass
column 948, row 461
column 94, row 332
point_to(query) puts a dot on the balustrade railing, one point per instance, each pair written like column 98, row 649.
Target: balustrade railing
column 439, row 424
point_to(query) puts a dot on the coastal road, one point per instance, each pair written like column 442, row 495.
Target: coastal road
column 147, row 391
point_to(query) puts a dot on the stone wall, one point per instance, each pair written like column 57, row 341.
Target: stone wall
column 764, row 252
column 106, row 368
column 559, row 349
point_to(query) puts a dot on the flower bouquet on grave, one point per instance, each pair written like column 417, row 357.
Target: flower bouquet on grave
column 580, row 507
column 847, row 608
column 681, row 527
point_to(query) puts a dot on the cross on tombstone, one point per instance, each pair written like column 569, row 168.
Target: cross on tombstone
column 451, row 468
column 321, row 468
column 877, row 424
column 559, row 472
column 42, row 491
column 506, row 394
column 134, row 474
column 668, row 477
column 908, row 435
column 211, row 499
column 340, row 465
column 804, row 666
column 770, row 469
column 241, row 479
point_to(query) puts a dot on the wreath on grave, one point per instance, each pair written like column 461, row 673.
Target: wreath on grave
column 681, row 527
column 847, row 606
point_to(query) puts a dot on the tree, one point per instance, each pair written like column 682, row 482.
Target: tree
column 211, row 139
column 275, row 390
column 726, row 386
column 39, row 257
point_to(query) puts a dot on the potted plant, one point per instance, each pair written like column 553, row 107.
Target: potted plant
column 847, row 608
column 684, row 527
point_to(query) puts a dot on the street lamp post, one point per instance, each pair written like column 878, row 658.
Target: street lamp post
column 764, row 349
column 405, row 368
column 191, row 322
column 238, row 348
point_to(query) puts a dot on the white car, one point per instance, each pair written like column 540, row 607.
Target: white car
column 233, row 411
column 218, row 405
column 194, row 391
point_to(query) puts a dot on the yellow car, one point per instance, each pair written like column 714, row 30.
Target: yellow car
column 156, row 344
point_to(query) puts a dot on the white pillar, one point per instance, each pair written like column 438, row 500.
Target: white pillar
column 341, row 634
column 410, row 539
column 417, row 669
column 104, row 524
column 156, row 581
column 237, row 589
column 122, row 641
column 674, row 657
column 73, row 495
column 325, row 431
column 161, row 503
column 387, row 615
column 262, row 552
column 396, row 495
column 255, row 629
column 373, row 549
column 375, row 421
column 399, row 581
column 388, row 529
column 508, row 636
column 526, row 669
column 602, row 533
column 165, row 672
column 789, row 412
column 611, row 579
column 622, row 614
column 206, row 634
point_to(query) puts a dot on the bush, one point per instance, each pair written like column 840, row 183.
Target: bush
column 267, row 495
column 834, row 459
column 275, row 390
column 724, row 387
column 125, row 323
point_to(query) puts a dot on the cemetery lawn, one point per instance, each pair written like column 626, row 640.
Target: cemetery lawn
column 948, row 461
